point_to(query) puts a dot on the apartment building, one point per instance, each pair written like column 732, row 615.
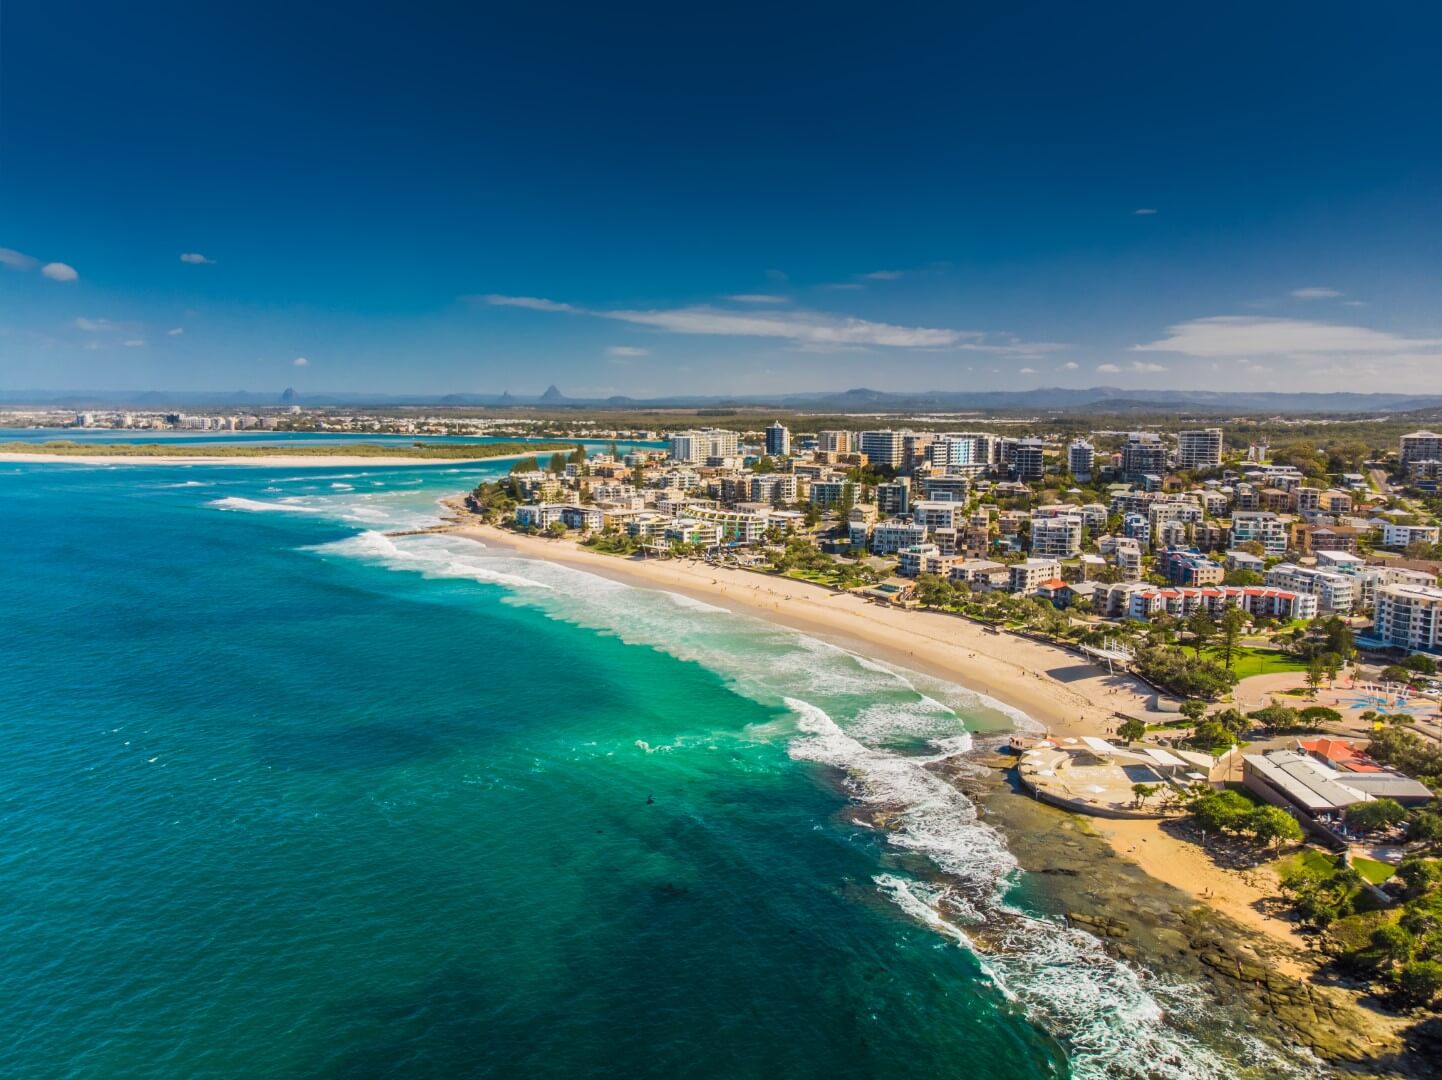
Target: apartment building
column 1025, row 576
column 884, row 447
column 1057, row 536
column 1409, row 617
column 894, row 497
column 1282, row 604
column 836, row 442
column 1420, row 446
column 1028, row 460
column 1143, row 453
column 1401, row 536
column 1257, row 526
column 1081, row 458
column 698, row 447
column 778, row 440
column 1200, row 448
column 1335, row 592
column 889, row 537
column 772, row 488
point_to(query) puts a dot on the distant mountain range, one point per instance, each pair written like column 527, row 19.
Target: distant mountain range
column 1107, row 399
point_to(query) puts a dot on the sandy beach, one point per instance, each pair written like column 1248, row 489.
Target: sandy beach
column 279, row 461
column 1056, row 688
column 1059, row 690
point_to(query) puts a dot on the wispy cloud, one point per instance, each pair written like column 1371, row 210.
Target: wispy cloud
column 59, row 271
column 17, row 260
column 1316, row 292
column 1109, row 369
column 134, row 343
column 758, row 298
column 300, row 361
column 1146, row 368
column 880, row 275
column 1026, row 371
column 1244, row 336
column 1070, row 365
column 809, row 327
column 195, row 258
column 1143, row 211
column 626, row 350
column 176, row 331
column 99, row 326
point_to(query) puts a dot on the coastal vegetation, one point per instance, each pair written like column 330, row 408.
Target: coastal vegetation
column 417, row 450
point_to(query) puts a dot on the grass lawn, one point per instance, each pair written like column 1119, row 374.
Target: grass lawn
column 1249, row 660
column 1309, row 860
column 1372, row 870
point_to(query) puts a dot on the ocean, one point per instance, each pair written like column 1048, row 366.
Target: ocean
column 284, row 796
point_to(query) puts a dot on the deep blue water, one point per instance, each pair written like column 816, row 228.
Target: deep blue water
column 282, row 796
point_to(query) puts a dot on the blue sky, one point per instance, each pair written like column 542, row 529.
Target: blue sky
column 658, row 199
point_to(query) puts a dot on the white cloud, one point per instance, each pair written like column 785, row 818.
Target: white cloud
column 1143, row 211
column 58, row 271
column 1026, row 371
column 176, row 332
column 1316, row 292
column 1070, row 365
column 626, row 350
column 1142, row 366
column 17, row 260
column 97, row 326
column 1244, row 336
column 808, row 327
column 881, row 275
column 195, row 258
column 758, row 298
column 133, row 343
column 1108, row 369
column 300, row 361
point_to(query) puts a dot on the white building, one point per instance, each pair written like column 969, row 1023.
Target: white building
column 1081, row 459
column 1200, row 448
column 1257, row 526
column 1025, row 576
column 1057, row 536
column 698, row 447
column 1420, row 446
column 1335, row 592
column 889, row 537
column 1409, row 617
column 884, row 447
column 938, row 513
column 778, row 440
column 1401, row 536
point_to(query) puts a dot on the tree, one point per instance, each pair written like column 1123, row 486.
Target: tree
column 1423, row 665
column 1212, row 737
column 933, row 590
column 1316, row 676
column 1132, row 730
column 1392, row 944
column 557, row 464
column 1375, row 814
column 1273, row 825
column 1202, row 627
column 556, row 528
column 1425, row 827
column 1193, row 709
column 1420, row 982
column 1222, row 811
column 1233, row 620
column 1275, row 717
column 1315, row 717
column 1142, row 792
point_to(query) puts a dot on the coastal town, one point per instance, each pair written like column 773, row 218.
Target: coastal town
column 1263, row 635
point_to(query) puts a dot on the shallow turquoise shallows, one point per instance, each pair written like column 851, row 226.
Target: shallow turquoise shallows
column 283, row 796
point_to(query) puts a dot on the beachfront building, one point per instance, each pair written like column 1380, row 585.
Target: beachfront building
column 1317, row 790
column 889, row 537
column 1282, row 604
column 836, row 442
column 925, row 559
column 1081, row 458
column 1199, row 449
column 778, row 440
column 894, row 497
column 1409, row 617
column 1027, row 575
column 1261, row 527
column 1028, row 461
column 1334, row 592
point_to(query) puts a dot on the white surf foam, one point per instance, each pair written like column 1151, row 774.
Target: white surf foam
column 257, row 506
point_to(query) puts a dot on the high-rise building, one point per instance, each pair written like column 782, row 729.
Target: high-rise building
column 1421, row 446
column 884, row 447
column 1409, row 617
column 1143, row 454
column 778, row 440
column 836, row 442
column 1199, row 449
column 1081, row 459
column 694, row 447
column 1028, row 462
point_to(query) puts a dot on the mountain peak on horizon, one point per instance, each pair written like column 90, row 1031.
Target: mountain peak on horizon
column 553, row 393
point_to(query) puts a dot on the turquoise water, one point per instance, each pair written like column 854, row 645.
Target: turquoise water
column 283, row 796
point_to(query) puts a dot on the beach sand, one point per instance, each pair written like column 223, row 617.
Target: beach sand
column 1060, row 690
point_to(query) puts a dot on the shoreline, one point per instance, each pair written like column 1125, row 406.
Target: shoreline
column 1061, row 692
column 284, row 461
